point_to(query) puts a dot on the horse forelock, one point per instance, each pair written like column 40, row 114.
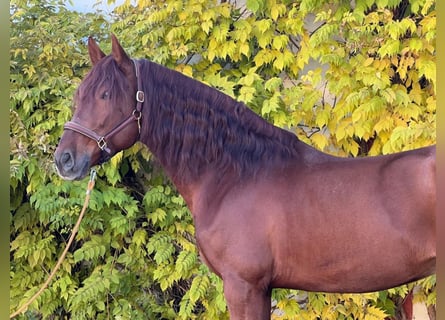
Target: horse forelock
column 191, row 128
column 104, row 75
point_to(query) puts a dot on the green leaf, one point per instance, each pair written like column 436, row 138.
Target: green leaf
column 273, row 84
column 255, row 5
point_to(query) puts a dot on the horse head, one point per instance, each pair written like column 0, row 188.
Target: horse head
column 106, row 115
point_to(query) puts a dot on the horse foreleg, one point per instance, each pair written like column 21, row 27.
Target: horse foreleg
column 247, row 301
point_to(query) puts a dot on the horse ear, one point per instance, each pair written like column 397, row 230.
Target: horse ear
column 94, row 51
column 120, row 56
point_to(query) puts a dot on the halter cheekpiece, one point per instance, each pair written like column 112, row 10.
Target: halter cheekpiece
column 136, row 115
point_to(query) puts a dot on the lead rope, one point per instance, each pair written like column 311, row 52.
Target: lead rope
column 62, row 257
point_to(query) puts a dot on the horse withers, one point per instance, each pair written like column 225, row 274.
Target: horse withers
column 269, row 210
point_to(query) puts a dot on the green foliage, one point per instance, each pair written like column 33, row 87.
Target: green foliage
column 350, row 80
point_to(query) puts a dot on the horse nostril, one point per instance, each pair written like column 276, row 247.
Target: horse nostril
column 66, row 160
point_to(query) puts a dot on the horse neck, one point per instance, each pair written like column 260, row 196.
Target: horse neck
column 192, row 129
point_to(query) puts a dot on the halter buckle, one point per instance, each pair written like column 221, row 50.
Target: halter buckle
column 140, row 96
column 101, row 143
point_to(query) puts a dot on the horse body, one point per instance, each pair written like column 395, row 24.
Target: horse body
column 277, row 236
column 269, row 210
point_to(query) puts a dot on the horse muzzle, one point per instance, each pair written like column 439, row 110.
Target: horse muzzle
column 70, row 168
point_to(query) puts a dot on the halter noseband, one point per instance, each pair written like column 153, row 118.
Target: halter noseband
column 136, row 115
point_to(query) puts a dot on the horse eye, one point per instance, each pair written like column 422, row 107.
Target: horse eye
column 105, row 95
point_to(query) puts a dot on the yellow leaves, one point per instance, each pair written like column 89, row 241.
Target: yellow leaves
column 277, row 10
column 224, row 10
column 289, row 307
column 244, row 49
column 220, row 31
column 248, row 90
column 194, row 9
column 254, row 5
column 344, row 129
column 29, row 70
column 368, row 62
column 373, row 78
column 243, row 29
column 399, row 29
column 428, row 23
column 328, row 306
column 140, row 237
column 272, row 104
column 280, row 42
column 374, row 313
column 198, row 290
column 344, row 135
column 431, row 105
column 263, row 25
column 263, row 57
column 322, row 117
column 228, row 49
column 206, row 26
column 273, row 84
column 116, row 159
column 249, row 78
column 20, row 52
column 390, row 48
column 364, row 130
column 416, row 45
column 406, row 137
column 157, row 16
column 319, row 140
column 264, row 39
column 427, row 68
column 181, row 33
column 185, row 69
column 372, row 18
column 323, row 34
column 427, row 293
column 386, row 123
column 246, row 94
column 406, row 63
column 311, row 98
column 210, row 15
column 111, row 168
column 141, row 4
column 220, row 82
column 211, row 52
column 304, row 54
column 207, row 19
column 408, row 112
column 283, row 59
column 179, row 50
column 240, row 35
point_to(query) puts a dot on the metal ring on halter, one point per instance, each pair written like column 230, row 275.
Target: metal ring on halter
column 138, row 115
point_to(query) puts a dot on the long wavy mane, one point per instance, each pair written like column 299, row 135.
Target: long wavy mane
column 192, row 128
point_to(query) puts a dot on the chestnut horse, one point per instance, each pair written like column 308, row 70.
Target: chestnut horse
column 269, row 210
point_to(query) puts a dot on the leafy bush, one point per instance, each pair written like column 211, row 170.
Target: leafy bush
column 351, row 78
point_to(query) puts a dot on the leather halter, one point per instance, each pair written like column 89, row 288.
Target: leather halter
column 136, row 115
